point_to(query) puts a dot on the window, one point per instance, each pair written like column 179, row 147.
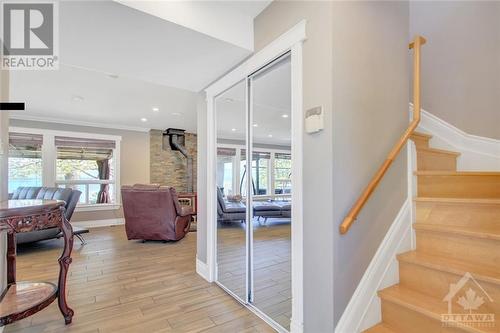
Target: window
column 260, row 167
column 225, row 175
column 85, row 162
column 25, row 160
column 271, row 171
column 86, row 165
column 282, row 173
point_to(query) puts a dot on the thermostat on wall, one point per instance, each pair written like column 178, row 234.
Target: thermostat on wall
column 314, row 120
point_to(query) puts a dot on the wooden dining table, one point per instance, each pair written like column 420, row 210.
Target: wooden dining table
column 23, row 299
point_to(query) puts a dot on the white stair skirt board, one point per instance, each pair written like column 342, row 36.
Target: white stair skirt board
column 296, row 326
column 364, row 309
column 99, row 223
column 202, row 269
column 477, row 153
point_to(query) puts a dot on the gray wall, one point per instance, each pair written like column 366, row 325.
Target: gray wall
column 319, row 230
column 356, row 62
column 134, row 159
column 461, row 62
column 4, row 141
column 370, row 103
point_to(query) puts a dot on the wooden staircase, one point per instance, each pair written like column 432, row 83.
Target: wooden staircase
column 457, row 232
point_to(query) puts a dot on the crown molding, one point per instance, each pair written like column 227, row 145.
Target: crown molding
column 77, row 123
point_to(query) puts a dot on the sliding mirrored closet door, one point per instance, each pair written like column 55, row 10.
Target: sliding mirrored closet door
column 231, row 123
column 270, row 93
column 254, row 210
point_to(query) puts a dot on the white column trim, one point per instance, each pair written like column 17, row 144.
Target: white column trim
column 49, row 157
column 271, row 173
column 297, row 321
column 236, row 172
column 211, row 188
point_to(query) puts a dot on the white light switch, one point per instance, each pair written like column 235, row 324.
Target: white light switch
column 314, row 120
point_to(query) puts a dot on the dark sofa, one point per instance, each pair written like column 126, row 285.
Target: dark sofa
column 153, row 212
column 69, row 196
column 228, row 211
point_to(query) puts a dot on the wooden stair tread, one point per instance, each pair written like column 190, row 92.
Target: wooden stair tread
column 491, row 232
column 438, row 151
column 457, row 173
column 460, row 267
column 423, row 135
column 426, row 305
column 486, row 201
column 379, row 328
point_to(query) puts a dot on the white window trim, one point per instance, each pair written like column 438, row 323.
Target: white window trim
column 49, row 157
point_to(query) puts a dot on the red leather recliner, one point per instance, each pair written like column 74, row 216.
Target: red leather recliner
column 153, row 212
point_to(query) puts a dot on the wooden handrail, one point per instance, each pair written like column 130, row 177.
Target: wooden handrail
column 353, row 214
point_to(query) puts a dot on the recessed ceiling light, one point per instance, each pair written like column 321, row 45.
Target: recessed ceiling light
column 144, row 120
column 233, row 129
column 176, row 114
column 284, row 115
column 269, row 135
column 255, row 125
column 156, row 109
column 77, row 98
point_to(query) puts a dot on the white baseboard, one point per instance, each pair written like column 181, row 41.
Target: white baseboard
column 202, row 269
column 296, row 327
column 477, row 153
column 364, row 310
column 99, row 223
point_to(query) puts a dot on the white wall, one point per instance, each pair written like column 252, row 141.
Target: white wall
column 461, row 62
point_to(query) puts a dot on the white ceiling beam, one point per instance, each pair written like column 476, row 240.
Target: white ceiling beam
column 211, row 18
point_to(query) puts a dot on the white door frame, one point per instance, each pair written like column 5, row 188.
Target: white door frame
column 291, row 41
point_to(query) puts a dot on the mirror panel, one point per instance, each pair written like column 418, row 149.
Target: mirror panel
column 230, row 111
column 270, row 95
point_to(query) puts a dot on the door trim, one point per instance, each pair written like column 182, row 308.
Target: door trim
column 291, row 41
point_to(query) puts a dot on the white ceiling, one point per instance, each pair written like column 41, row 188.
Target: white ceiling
column 271, row 100
column 157, row 63
column 55, row 95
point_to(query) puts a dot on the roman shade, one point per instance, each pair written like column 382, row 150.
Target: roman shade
column 283, row 156
column 83, row 148
column 25, row 145
column 226, row 152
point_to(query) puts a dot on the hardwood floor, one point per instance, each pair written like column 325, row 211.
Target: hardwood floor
column 272, row 265
column 117, row 285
